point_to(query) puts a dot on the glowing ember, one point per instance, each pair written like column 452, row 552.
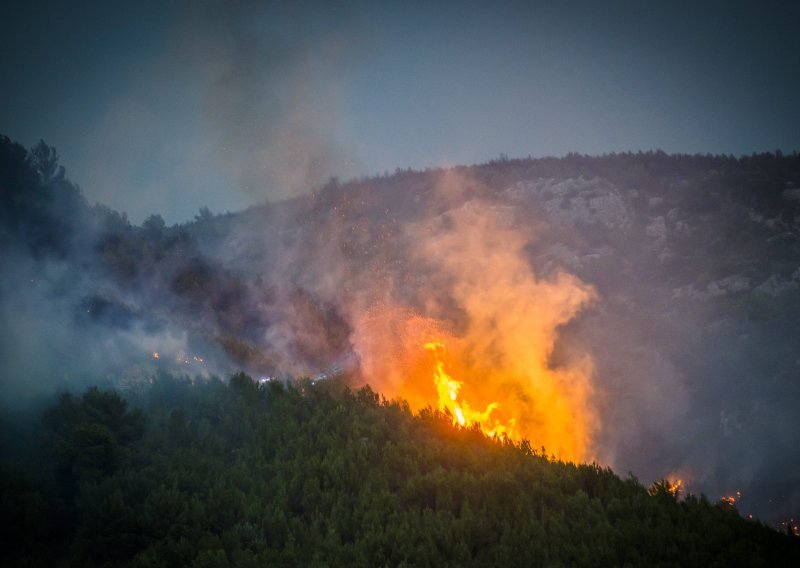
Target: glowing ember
column 731, row 499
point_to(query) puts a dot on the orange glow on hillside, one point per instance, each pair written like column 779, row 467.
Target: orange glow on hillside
column 483, row 348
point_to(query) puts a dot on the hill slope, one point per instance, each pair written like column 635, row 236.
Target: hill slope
column 214, row 475
column 694, row 262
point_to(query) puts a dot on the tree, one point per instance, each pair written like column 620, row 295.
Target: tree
column 90, row 437
column 44, row 160
column 153, row 227
column 204, row 215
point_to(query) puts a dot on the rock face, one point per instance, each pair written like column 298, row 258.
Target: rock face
column 577, row 201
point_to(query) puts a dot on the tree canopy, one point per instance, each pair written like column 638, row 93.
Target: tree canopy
column 241, row 474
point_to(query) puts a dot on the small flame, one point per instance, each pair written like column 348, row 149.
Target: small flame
column 675, row 486
column 731, row 499
column 155, row 354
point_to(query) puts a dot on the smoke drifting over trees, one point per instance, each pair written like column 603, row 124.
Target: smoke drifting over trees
column 666, row 289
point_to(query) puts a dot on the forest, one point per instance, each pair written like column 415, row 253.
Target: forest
column 209, row 473
column 694, row 258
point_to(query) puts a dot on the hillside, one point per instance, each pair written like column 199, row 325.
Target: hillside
column 636, row 309
column 209, row 474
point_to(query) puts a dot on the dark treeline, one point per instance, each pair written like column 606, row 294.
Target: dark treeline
column 213, row 474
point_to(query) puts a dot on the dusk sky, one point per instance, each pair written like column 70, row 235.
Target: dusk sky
column 165, row 107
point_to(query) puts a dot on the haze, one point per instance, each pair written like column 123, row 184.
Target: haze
column 164, row 108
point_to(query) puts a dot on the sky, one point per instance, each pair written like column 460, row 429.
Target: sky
column 166, row 107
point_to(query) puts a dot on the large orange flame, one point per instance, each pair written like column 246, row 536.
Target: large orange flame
column 483, row 348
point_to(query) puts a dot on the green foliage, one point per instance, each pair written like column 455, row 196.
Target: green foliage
column 210, row 474
column 91, row 437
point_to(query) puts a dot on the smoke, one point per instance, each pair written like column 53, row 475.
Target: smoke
column 60, row 329
column 498, row 323
column 354, row 279
column 270, row 76
column 591, row 318
column 241, row 103
column 631, row 371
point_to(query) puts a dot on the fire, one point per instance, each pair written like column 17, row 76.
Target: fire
column 448, row 390
column 155, row 354
column 731, row 499
column 481, row 337
column 675, row 486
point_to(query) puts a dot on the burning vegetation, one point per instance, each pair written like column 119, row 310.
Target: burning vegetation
column 485, row 352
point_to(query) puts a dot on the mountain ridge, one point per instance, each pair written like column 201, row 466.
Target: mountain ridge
column 693, row 258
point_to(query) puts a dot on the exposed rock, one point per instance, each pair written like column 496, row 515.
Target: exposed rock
column 578, row 200
column 657, row 229
column 722, row 287
column 729, row 285
column 672, row 215
column 776, row 285
column 792, row 194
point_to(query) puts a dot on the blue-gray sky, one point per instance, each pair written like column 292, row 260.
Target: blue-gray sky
column 165, row 107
